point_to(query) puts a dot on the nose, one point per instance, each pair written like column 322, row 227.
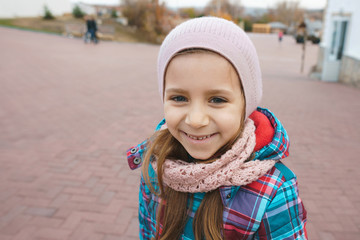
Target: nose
column 197, row 117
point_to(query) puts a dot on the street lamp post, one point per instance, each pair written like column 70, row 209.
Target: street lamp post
column 303, row 28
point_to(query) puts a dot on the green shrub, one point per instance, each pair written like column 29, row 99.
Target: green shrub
column 77, row 12
column 247, row 25
column 114, row 13
column 47, row 13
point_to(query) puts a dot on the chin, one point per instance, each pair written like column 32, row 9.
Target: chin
column 200, row 156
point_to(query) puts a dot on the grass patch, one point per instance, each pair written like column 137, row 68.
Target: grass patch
column 6, row 22
column 34, row 24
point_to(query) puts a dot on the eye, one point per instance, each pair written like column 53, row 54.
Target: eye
column 179, row 99
column 218, row 100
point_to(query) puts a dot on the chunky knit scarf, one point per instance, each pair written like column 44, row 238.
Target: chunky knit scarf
column 231, row 169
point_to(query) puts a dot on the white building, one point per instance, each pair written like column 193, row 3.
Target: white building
column 86, row 8
column 33, row 8
column 339, row 55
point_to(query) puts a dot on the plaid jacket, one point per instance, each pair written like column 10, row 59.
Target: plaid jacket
column 269, row 208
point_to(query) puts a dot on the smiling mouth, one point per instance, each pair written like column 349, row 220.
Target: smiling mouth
column 199, row 137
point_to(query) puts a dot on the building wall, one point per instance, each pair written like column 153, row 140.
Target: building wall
column 350, row 71
column 86, row 8
column 320, row 60
column 261, row 28
column 33, row 8
column 349, row 8
column 349, row 63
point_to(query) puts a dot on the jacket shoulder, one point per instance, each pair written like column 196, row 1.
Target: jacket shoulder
column 285, row 172
column 136, row 154
column 267, row 185
column 246, row 209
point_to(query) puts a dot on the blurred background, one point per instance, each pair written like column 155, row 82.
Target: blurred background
column 150, row 21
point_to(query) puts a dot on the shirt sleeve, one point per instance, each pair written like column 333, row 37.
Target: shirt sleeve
column 144, row 214
column 136, row 154
column 285, row 216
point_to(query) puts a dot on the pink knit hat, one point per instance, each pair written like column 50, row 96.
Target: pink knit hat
column 220, row 36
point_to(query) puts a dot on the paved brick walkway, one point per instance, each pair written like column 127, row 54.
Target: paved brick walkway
column 69, row 111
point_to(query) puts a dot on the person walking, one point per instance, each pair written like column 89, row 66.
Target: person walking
column 280, row 35
column 91, row 28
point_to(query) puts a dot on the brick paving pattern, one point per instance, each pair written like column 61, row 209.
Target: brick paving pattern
column 69, row 111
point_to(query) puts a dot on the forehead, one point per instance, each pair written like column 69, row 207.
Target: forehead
column 203, row 68
column 197, row 61
column 190, row 52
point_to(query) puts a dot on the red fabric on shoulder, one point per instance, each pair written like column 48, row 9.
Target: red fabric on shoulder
column 264, row 130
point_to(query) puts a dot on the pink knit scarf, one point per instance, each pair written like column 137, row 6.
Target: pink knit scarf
column 229, row 170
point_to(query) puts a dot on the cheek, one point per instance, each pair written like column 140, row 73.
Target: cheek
column 172, row 116
column 229, row 121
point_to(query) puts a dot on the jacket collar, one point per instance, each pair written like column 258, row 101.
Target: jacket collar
column 277, row 149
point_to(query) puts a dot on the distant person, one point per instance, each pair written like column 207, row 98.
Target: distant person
column 91, row 28
column 280, row 35
column 212, row 169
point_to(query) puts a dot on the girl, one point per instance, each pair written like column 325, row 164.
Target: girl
column 212, row 170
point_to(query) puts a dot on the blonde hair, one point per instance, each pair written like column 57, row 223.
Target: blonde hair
column 173, row 215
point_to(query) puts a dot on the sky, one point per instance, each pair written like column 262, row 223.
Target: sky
column 311, row 4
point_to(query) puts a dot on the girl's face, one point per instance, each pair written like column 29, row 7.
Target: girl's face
column 203, row 102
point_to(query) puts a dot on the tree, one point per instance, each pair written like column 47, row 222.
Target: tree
column 225, row 8
column 135, row 12
column 77, row 12
column 266, row 18
column 146, row 16
column 288, row 12
column 188, row 12
column 47, row 13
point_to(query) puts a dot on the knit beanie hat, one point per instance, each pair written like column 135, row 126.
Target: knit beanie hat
column 220, row 36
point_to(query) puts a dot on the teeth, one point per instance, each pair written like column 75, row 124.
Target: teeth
column 198, row 138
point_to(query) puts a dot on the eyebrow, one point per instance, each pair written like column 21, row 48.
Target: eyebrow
column 210, row 92
column 219, row 91
column 177, row 90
